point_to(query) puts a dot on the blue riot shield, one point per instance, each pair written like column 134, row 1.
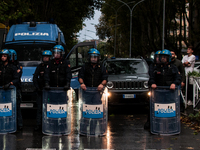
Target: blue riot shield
column 165, row 111
column 8, row 110
column 56, row 111
column 93, row 111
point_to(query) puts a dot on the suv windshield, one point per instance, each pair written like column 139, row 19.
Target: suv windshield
column 126, row 67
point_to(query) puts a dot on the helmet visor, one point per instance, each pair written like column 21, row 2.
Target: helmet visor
column 94, row 59
column 12, row 57
column 164, row 58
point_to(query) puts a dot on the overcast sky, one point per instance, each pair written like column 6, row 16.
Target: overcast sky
column 91, row 34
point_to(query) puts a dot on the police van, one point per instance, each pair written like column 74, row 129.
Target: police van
column 29, row 40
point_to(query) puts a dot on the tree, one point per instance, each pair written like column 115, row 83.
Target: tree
column 68, row 15
column 13, row 9
column 147, row 25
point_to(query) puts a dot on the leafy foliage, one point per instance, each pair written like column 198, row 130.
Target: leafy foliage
column 147, row 25
column 194, row 74
column 69, row 15
column 12, row 9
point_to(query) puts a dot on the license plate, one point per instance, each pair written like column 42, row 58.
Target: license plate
column 129, row 96
column 26, row 105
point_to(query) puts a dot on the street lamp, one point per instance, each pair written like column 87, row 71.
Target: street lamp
column 115, row 22
column 88, row 36
column 91, row 31
column 106, row 32
column 131, row 12
column 163, row 39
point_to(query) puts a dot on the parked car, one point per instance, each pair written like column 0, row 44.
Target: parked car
column 127, row 80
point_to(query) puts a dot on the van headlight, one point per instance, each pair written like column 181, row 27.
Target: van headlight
column 146, row 84
column 109, row 85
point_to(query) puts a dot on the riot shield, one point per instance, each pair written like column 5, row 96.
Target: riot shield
column 165, row 111
column 93, row 111
column 56, row 111
column 8, row 112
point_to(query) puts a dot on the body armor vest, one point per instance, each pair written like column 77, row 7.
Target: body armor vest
column 6, row 74
column 164, row 76
column 58, row 74
column 92, row 77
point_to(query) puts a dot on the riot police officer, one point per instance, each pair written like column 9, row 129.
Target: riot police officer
column 156, row 62
column 8, row 73
column 164, row 73
column 93, row 74
column 15, row 62
column 154, row 65
column 38, row 80
column 58, row 73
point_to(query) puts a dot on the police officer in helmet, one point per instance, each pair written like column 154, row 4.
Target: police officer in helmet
column 15, row 62
column 93, row 74
column 38, row 80
column 156, row 57
column 167, row 74
column 152, row 67
column 58, row 74
column 164, row 73
column 156, row 62
column 8, row 73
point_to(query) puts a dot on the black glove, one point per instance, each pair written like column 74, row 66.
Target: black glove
column 47, row 87
column 5, row 87
column 67, row 86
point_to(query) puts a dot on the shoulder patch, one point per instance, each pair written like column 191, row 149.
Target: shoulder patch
column 69, row 65
column 21, row 67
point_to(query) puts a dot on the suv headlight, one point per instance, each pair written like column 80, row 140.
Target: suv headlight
column 146, row 84
column 109, row 85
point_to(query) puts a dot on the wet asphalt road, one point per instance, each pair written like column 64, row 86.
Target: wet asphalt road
column 125, row 131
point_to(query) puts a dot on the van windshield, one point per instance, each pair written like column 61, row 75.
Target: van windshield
column 29, row 53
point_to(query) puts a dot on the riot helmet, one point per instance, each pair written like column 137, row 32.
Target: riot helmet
column 93, row 56
column 13, row 55
column 58, row 51
column 46, row 55
column 165, row 56
column 156, row 57
column 4, row 55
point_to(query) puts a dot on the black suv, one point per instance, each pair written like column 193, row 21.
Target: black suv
column 127, row 81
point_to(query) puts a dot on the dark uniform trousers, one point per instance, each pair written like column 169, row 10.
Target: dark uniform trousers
column 19, row 95
column 38, row 80
column 58, row 75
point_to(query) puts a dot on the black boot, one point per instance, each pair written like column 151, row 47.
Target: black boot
column 147, row 124
column 38, row 128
